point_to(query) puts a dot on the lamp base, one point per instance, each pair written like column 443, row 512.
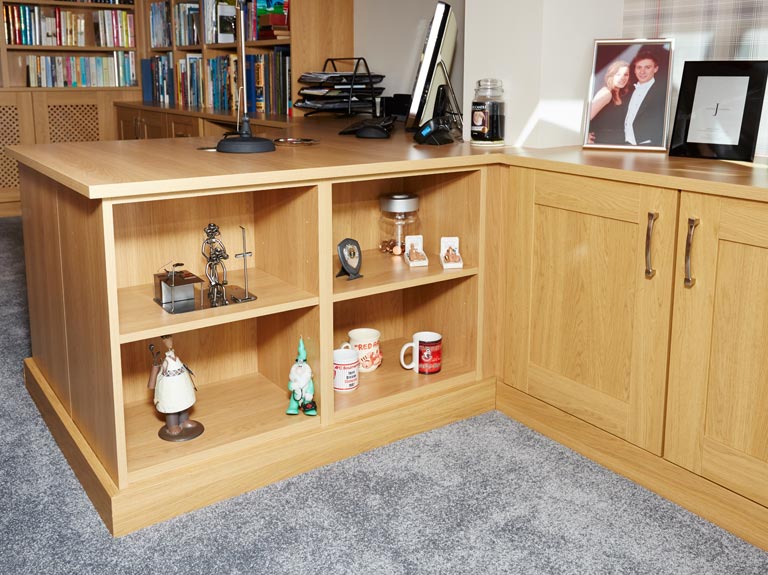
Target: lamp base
column 245, row 145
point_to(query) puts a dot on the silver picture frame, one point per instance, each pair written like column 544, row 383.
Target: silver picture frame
column 628, row 100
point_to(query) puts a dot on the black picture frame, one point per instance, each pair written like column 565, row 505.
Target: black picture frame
column 610, row 97
column 706, row 89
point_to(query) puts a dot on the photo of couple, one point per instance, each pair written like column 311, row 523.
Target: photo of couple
column 629, row 94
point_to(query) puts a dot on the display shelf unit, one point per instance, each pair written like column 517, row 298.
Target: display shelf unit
column 399, row 300
column 241, row 372
column 234, row 350
column 150, row 235
column 449, row 308
column 241, row 354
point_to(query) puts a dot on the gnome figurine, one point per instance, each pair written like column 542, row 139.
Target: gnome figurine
column 300, row 385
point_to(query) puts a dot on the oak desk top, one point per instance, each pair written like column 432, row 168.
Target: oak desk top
column 129, row 168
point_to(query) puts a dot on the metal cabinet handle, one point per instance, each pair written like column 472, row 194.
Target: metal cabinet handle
column 649, row 271
column 690, row 281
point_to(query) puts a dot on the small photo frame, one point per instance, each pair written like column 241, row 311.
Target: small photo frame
column 628, row 100
column 414, row 251
column 718, row 109
column 450, row 257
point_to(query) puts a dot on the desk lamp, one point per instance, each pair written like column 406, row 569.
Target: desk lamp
column 243, row 142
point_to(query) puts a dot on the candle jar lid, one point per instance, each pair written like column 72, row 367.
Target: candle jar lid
column 399, row 203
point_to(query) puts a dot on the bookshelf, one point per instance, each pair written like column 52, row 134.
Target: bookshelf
column 68, row 44
column 189, row 53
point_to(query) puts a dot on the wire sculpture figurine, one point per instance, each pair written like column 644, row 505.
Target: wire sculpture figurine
column 215, row 252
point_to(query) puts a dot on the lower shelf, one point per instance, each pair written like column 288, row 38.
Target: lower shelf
column 390, row 384
column 245, row 408
column 239, row 466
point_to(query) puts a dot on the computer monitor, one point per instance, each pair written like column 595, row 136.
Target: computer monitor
column 434, row 69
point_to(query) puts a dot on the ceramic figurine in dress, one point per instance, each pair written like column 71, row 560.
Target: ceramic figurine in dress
column 301, row 386
column 174, row 394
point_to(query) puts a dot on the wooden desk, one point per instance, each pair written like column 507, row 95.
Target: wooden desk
column 551, row 320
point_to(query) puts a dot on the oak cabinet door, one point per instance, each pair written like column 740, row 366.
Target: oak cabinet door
column 180, row 126
column 595, row 339
column 128, row 123
column 717, row 420
column 153, row 125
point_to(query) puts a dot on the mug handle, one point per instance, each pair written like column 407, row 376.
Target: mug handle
column 415, row 361
column 346, row 345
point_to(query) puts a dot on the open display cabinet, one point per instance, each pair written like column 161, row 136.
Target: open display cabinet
column 399, row 300
column 241, row 353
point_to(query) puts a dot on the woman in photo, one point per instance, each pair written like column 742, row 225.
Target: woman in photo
column 609, row 106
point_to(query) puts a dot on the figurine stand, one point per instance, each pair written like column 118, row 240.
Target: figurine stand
column 245, row 296
column 186, row 434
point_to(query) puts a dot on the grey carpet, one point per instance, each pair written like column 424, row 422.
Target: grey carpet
column 485, row 495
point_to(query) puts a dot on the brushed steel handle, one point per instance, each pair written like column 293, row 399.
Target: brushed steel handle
column 690, row 281
column 649, row 271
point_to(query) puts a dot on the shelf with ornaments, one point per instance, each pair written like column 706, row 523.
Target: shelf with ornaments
column 269, row 234
column 241, row 372
column 443, row 204
column 448, row 308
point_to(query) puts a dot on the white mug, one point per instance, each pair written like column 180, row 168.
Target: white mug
column 345, row 369
column 427, row 349
column 366, row 341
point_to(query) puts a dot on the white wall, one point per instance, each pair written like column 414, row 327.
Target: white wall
column 390, row 34
column 543, row 52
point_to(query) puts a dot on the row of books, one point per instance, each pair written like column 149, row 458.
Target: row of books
column 157, row 80
column 122, row 2
column 212, row 83
column 114, row 29
column 187, row 18
column 265, row 22
column 159, row 25
column 264, row 19
column 31, row 26
column 118, row 70
column 268, row 82
column 53, row 26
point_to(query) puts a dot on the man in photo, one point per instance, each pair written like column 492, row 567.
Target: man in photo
column 644, row 123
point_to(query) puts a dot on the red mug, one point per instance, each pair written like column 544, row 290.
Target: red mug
column 427, row 349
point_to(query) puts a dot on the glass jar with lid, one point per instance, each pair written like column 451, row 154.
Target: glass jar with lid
column 488, row 112
column 399, row 218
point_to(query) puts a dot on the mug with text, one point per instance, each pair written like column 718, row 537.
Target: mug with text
column 346, row 365
column 427, row 350
column 366, row 341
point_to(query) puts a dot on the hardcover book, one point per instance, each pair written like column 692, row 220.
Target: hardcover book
column 227, row 14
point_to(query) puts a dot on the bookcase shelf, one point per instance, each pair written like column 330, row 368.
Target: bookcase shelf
column 241, row 377
column 384, row 272
column 68, row 44
column 141, row 317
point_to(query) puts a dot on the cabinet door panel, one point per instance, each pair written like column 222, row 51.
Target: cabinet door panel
column 597, row 327
column 718, row 393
